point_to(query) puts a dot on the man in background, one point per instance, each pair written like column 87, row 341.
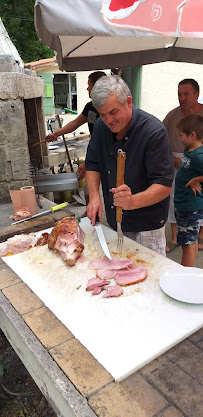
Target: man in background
column 188, row 94
column 89, row 115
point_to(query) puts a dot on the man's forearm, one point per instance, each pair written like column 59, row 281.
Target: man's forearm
column 72, row 125
column 93, row 181
column 151, row 196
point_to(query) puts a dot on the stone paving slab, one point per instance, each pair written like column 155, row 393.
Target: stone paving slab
column 189, row 358
column 83, row 370
column 150, row 400
column 170, row 412
column 48, row 329
column 22, row 298
column 7, row 276
column 179, row 387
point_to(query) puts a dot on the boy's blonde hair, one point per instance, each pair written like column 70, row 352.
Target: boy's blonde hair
column 191, row 123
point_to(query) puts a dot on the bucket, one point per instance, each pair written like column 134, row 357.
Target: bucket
column 81, row 183
column 68, row 195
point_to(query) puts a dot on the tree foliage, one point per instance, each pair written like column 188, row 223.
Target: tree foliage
column 18, row 19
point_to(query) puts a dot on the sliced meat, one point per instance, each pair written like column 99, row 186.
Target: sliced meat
column 42, row 239
column 133, row 269
column 67, row 238
column 98, row 284
column 113, row 291
column 106, row 263
column 97, row 290
column 131, row 276
column 106, row 273
column 3, row 248
column 17, row 243
column 21, row 214
column 93, row 281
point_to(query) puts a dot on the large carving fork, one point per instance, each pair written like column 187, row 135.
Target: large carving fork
column 120, row 180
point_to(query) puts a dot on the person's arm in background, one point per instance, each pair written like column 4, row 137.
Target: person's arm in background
column 176, row 162
column 167, row 121
column 195, row 184
column 68, row 128
column 81, row 171
column 95, row 203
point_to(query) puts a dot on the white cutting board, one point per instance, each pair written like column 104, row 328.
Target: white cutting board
column 123, row 333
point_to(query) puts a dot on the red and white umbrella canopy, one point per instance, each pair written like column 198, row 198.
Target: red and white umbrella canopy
column 96, row 34
column 167, row 18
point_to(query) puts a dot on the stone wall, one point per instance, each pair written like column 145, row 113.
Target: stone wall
column 15, row 89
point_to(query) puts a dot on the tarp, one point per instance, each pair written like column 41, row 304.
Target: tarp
column 96, row 34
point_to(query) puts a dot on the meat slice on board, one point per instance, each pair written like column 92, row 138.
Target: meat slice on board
column 113, row 291
column 66, row 238
column 97, row 290
column 17, row 244
column 106, row 263
column 131, row 276
column 93, row 281
column 105, row 273
column 98, row 284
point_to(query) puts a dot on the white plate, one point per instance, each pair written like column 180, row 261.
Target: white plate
column 183, row 284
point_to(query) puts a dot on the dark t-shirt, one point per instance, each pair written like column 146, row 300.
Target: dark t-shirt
column 91, row 114
column 148, row 161
column 191, row 166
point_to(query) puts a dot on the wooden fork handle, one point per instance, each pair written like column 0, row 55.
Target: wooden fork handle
column 120, row 179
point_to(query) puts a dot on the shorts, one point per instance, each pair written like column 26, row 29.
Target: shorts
column 152, row 239
column 188, row 226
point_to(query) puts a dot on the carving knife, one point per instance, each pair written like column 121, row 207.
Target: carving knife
column 51, row 210
column 101, row 237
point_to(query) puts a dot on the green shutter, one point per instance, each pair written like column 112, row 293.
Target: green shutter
column 133, row 77
column 48, row 99
column 136, row 77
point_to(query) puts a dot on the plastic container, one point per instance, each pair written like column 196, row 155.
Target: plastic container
column 68, row 195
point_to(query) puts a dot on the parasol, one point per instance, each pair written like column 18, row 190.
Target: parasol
column 96, row 34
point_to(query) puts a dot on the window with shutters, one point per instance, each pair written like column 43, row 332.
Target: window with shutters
column 48, row 99
column 60, row 92
column 65, row 91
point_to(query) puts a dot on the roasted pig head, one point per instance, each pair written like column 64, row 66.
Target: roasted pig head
column 67, row 239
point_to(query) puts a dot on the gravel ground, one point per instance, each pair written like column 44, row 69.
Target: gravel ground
column 16, row 379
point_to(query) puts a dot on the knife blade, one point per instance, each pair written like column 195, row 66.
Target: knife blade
column 51, row 210
column 101, row 237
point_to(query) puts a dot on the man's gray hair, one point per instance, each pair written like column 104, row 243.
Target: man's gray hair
column 110, row 85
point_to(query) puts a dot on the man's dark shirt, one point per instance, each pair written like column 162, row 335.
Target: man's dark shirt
column 91, row 114
column 148, row 161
